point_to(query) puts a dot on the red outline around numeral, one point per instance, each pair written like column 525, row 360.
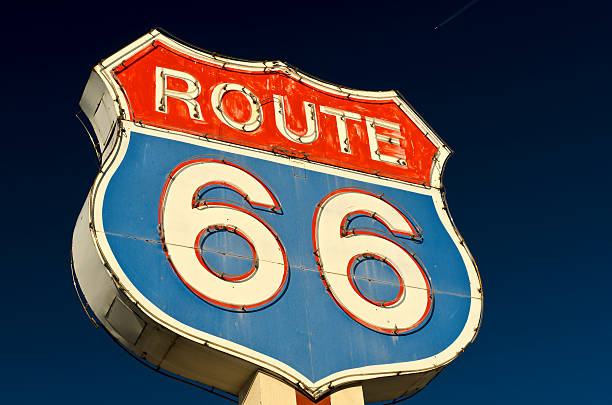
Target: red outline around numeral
column 274, row 208
column 349, row 233
column 349, row 273
column 223, row 276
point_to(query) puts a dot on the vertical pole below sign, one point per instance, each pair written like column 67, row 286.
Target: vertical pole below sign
column 267, row 390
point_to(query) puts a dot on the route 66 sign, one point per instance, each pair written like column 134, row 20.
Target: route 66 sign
column 250, row 217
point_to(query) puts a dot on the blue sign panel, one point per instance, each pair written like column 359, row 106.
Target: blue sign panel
column 303, row 326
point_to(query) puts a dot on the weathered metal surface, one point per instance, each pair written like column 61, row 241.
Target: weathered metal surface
column 248, row 216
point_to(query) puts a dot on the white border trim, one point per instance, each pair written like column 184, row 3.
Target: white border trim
column 317, row 388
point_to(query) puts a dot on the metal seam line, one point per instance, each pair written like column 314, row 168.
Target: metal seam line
column 292, row 266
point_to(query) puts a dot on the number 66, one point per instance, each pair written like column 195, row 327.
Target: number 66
column 183, row 220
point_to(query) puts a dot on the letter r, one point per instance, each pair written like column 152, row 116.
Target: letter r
column 188, row 97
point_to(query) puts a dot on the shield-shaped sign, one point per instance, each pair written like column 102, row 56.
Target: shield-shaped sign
column 249, row 217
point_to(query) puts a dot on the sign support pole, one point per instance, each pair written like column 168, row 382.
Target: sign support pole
column 264, row 389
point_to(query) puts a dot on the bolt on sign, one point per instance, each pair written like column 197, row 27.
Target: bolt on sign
column 249, row 217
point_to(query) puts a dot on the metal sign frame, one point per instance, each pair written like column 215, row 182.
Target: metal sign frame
column 127, row 313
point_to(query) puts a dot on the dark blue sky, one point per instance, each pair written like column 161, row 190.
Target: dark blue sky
column 519, row 89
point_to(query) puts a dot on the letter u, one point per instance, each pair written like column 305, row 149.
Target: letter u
column 312, row 131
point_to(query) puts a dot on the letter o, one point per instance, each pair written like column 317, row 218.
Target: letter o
column 254, row 120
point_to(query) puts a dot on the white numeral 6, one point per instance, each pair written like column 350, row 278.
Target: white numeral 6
column 185, row 218
column 338, row 248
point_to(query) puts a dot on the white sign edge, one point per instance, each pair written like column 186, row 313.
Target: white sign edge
column 316, row 387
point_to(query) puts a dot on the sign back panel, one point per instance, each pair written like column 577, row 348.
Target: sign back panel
column 293, row 225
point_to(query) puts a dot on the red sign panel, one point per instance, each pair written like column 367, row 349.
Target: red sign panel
column 275, row 110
